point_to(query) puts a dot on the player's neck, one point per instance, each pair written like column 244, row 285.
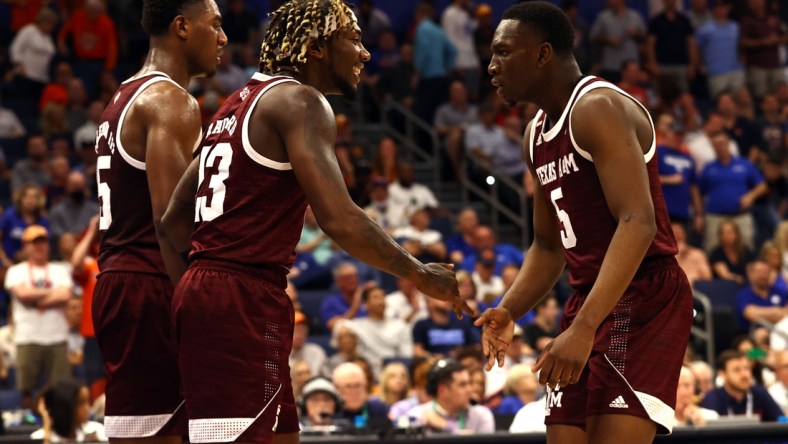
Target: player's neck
column 558, row 90
column 161, row 59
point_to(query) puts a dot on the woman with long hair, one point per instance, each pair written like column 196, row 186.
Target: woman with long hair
column 730, row 258
column 394, row 383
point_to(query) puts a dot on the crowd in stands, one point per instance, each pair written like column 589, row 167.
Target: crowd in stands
column 366, row 345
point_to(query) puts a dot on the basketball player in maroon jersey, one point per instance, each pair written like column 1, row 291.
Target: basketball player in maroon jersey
column 144, row 143
column 267, row 153
column 612, row 372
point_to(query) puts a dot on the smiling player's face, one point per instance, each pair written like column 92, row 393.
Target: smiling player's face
column 348, row 56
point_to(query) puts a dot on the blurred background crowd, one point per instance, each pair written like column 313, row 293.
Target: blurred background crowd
column 435, row 157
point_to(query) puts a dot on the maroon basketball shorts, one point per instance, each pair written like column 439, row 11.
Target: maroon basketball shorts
column 235, row 332
column 637, row 355
column 131, row 315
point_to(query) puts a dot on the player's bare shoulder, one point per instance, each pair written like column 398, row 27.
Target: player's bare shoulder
column 605, row 112
column 298, row 110
column 290, row 103
column 166, row 99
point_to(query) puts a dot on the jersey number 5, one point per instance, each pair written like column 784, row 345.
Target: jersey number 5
column 218, row 159
column 105, row 212
column 568, row 237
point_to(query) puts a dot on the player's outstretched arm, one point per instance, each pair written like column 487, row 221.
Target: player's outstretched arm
column 309, row 133
column 616, row 132
column 541, row 268
column 173, row 130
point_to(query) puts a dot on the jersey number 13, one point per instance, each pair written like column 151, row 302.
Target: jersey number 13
column 218, row 160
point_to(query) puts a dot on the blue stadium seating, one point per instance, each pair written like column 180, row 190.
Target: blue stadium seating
column 323, row 341
column 310, row 305
column 722, row 293
column 10, row 399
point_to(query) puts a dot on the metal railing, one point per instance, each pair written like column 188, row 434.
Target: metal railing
column 408, row 140
column 405, row 135
column 519, row 219
column 705, row 334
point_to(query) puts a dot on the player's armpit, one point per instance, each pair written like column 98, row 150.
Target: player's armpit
column 178, row 220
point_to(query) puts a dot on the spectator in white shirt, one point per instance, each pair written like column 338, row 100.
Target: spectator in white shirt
column 407, row 304
column 699, row 142
column 779, row 390
column 380, row 208
column 459, row 28
column 407, row 196
column 419, row 240
column 33, row 48
column 10, row 126
column 380, row 338
column 39, row 291
column 488, row 285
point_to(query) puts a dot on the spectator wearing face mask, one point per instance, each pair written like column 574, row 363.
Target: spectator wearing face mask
column 73, row 214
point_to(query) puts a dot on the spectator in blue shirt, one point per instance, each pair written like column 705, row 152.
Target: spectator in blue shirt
column 738, row 394
column 442, row 332
column 718, row 45
column 27, row 210
column 460, row 245
column 505, row 254
column 434, row 57
column 765, row 298
column 730, row 186
column 677, row 175
column 347, row 303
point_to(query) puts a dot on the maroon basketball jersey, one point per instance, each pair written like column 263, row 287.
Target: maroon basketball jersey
column 249, row 209
column 128, row 239
column 569, row 181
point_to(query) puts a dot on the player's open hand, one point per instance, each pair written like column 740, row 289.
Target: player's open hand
column 497, row 333
column 564, row 358
column 439, row 282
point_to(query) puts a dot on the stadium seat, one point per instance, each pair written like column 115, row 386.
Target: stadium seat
column 310, row 306
column 10, row 399
column 323, row 341
column 722, row 293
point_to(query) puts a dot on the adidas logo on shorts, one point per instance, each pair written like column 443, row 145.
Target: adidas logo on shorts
column 619, row 403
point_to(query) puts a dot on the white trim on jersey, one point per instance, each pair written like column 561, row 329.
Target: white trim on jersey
column 534, row 124
column 140, row 165
column 138, row 426
column 224, row 429
column 149, row 73
column 586, row 155
column 556, row 128
column 250, row 151
column 658, row 411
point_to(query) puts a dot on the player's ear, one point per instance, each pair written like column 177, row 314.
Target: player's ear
column 544, row 54
column 180, row 26
column 316, row 48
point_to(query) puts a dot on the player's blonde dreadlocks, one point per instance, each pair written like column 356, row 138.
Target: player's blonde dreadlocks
column 294, row 24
